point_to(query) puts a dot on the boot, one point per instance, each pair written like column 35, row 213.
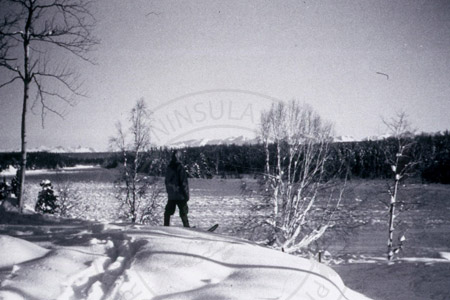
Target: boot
column 185, row 221
column 166, row 220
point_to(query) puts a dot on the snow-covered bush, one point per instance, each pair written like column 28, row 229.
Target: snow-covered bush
column 194, row 171
column 146, row 206
column 199, row 168
column 69, row 197
column 47, row 199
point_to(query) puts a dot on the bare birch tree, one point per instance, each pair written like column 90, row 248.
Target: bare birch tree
column 402, row 160
column 137, row 193
column 35, row 30
column 294, row 181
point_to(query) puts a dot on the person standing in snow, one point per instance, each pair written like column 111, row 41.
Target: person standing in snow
column 177, row 188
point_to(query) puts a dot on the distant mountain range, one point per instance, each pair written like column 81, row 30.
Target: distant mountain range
column 349, row 138
column 239, row 140
column 58, row 149
column 344, row 138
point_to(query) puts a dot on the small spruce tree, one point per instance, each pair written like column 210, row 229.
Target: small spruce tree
column 4, row 189
column 47, row 199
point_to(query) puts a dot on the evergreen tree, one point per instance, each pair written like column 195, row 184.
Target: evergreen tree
column 47, row 199
column 4, row 189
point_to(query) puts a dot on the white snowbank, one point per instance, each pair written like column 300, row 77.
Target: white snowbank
column 79, row 167
column 427, row 260
column 15, row 251
column 445, row 255
column 129, row 262
column 11, row 171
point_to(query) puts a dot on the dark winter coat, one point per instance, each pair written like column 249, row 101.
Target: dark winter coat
column 176, row 181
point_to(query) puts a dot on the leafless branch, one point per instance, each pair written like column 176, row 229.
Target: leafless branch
column 41, row 97
column 9, row 82
column 152, row 13
column 7, row 66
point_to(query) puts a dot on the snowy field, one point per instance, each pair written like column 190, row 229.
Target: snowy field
column 98, row 260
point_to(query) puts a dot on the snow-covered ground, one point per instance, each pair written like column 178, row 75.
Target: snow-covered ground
column 49, row 258
column 84, row 258
column 11, row 171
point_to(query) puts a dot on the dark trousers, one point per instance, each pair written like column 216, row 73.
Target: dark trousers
column 170, row 210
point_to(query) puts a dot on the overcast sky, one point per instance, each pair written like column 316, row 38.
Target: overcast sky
column 207, row 68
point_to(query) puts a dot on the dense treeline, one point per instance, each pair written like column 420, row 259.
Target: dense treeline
column 364, row 159
column 436, row 157
column 367, row 159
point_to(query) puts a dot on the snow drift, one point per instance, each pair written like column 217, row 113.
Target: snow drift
column 15, row 251
column 106, row 261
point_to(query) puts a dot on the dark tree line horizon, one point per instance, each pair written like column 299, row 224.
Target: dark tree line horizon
column 356, row 160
